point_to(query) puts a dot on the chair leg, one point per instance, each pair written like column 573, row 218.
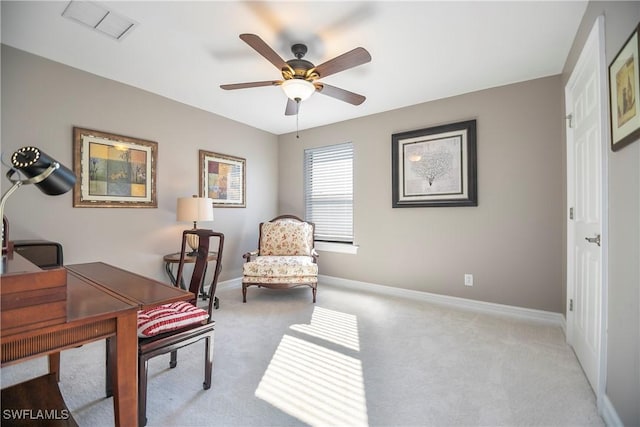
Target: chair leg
column 313, row 291
column 142, row 390
column 174, row 359
column 244, row 292
column 208, row 361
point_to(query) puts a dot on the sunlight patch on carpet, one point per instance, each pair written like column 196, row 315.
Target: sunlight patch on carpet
column 333, row 326
column 316, row 385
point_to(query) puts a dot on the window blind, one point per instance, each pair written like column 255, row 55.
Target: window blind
column 328, row 191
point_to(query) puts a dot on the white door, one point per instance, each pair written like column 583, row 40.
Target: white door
column 585, row 97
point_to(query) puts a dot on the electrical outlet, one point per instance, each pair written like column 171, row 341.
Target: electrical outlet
column 468, row 279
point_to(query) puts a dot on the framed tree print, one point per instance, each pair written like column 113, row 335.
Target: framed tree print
column 435, row 166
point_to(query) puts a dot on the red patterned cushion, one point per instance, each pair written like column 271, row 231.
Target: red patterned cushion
column 169, row 317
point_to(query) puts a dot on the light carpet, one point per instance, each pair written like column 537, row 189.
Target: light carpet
column 353, row 358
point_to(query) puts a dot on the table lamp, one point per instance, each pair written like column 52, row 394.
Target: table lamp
column 194, row 209
column 47, row 174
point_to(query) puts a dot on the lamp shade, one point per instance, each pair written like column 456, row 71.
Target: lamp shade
column 195, row 209
column 298, row 89
column 47, row 174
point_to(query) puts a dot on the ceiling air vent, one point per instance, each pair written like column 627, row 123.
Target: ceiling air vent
column 98, row 17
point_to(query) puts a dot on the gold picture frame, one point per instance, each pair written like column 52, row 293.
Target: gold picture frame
column 624, row 93
column 223, row 179
column 113, row 171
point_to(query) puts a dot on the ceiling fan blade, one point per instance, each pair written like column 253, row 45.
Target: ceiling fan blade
column 263, row 49
column 292, row 107
column 250, row 84
column 341, row 94
column 353, row 58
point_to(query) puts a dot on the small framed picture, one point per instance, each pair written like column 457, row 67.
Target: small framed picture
column 222, row 178
column 624, row 93
column 435, row 166
column 113, row 171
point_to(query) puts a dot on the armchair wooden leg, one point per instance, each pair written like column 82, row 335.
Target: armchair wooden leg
column 208, row 364
column 174, row 359
column 244, row 293
column 314, row 290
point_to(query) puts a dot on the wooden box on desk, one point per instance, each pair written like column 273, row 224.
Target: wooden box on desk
column 30, row 296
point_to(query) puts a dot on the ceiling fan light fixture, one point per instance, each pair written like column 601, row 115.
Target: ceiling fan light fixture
column 298, row 89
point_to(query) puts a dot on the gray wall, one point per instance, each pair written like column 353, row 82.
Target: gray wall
column 623, row 322
column 511, row 242
column 43, row 100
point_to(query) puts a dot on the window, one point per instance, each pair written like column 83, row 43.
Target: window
column 328, row 191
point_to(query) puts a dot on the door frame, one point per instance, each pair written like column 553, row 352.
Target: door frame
column 595, row 36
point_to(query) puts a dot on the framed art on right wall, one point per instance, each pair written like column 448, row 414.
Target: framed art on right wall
column 624, row 92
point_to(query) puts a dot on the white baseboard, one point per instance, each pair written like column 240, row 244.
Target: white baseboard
column 563, row 324
column 609, row 414
column 462, row 303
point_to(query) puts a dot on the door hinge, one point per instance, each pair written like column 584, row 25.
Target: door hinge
column 570, row 213
column 571, row 305
column 569, row 118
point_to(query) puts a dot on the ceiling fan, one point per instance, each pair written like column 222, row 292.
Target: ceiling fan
column 300, row 77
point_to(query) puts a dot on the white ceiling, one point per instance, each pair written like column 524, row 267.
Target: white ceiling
column 421, row 50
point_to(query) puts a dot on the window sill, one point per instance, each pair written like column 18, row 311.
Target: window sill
column 343, row 248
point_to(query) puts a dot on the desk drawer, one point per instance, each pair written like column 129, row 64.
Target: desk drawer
column 31, row 299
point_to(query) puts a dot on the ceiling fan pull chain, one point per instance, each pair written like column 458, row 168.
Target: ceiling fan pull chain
column 297, row 115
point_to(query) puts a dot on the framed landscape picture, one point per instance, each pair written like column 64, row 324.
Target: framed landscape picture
column 222, row 178
column 435, row 166
column 113, row 170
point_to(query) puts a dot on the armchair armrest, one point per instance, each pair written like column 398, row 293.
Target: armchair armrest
column 315, row 255
column 248, row 255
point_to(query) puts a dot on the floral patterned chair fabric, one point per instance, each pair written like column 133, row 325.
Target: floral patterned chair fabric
column 285, row 259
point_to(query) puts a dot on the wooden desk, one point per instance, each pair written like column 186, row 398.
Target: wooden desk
column 92, row 314
column 102, row 302
column 143, row 291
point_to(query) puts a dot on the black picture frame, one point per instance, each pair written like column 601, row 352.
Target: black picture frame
column 624, row 93
column 435, row 167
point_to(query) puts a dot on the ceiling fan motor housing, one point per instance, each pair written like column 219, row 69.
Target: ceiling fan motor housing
column 300, row 68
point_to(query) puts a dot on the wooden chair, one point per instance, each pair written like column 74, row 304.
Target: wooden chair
column 285, row 258
column 172, row 340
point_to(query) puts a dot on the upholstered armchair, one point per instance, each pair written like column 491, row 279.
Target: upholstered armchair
column 285, row 257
